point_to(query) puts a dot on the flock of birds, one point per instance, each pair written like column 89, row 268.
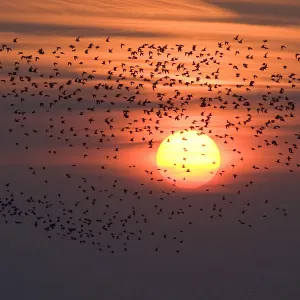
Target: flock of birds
column 136, row 102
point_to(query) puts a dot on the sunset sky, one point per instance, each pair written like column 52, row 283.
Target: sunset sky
column 93, row 155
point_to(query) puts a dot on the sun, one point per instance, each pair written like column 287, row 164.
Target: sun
column 188, row 159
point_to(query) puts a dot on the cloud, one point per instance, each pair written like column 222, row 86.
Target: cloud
column 275, row 14
column 72, row 30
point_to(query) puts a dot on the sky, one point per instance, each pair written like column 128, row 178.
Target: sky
column 136, row 234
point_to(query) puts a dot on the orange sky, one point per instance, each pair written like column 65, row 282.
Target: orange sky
column 52, row 24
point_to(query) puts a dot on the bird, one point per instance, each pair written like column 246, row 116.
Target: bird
column 82, row 121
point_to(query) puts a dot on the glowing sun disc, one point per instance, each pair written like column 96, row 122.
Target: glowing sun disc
column 188, row 158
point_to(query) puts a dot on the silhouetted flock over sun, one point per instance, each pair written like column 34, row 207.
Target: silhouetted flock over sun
column 96, row 101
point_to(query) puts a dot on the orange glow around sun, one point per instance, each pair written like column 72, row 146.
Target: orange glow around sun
column 188, row 158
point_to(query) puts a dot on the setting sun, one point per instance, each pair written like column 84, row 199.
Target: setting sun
column 188, row 158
